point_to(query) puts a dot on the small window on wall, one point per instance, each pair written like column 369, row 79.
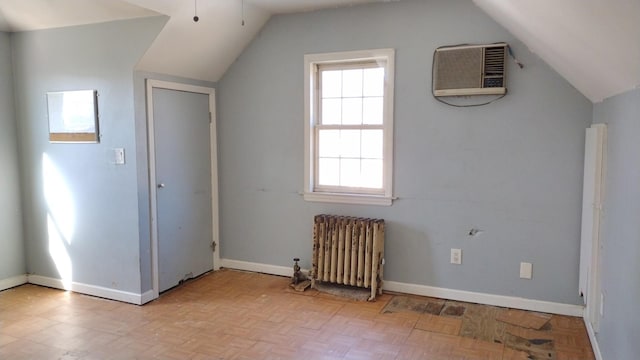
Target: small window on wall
column 349, row 127
column 73, row 116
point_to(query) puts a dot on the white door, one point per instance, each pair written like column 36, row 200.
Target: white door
column 184, row 195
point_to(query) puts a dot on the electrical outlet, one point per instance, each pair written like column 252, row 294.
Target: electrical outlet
column 525, row 270
column 456, row 256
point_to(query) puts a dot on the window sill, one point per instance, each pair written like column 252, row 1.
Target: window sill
column 348, row 198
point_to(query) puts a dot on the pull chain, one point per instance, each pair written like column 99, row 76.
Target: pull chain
column 195, row 11
column 242, row 5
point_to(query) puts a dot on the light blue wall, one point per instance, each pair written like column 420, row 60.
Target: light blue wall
column 12, row 260
column 142, row 154
column 512, row 168
column 94, row 198
column 620, row 326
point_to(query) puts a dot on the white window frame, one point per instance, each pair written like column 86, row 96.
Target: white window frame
column 345, row 196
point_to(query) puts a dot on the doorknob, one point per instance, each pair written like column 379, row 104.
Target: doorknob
column 160, row 186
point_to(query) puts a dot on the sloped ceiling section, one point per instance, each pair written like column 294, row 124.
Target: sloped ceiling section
column 293, row 6
column 594, row 44
column 200, row 50
column 23, row 15
column 205, row 49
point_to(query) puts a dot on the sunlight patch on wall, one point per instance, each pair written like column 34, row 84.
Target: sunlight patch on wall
column 59, row 198
column 59, row 254
column 60, row 219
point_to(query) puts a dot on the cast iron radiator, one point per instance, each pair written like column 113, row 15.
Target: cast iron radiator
column 348, row 251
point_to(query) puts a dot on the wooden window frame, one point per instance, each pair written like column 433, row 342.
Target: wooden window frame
column 343, row 194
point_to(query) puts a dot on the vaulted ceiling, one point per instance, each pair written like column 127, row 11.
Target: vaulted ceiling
column 594, row 44
column 25, row 15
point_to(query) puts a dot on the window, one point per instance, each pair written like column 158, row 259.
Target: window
column 349, row 127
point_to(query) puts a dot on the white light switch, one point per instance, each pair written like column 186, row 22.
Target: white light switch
column 525, row 270
column 119, row 156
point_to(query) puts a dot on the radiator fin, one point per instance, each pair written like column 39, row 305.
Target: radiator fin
column 348, row 251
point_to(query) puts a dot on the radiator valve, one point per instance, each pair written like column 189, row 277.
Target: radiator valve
column 297, row 275
column 299, row 281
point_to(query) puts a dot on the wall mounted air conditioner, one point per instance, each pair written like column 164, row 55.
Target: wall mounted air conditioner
column 470, row 70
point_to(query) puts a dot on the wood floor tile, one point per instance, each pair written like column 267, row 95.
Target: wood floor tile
column 480, row 322
column 6, row 339
column 26, row 325
column 440, row 344
column 525, row 319
column 439, row 324
column 25, row 349
column 420, row 353
column 545, row 349
column 382, row 350
column 414, row 304
column 241, row 315
column 529, row 334
column 574, row 355
column 513, row 354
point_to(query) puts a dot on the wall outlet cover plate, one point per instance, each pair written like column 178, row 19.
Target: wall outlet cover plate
column 526, row 270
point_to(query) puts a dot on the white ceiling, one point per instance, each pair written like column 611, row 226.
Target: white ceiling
column 291, row 6
column 23, row 15
column 205, row 50
column 202, row 50
column 594, row 44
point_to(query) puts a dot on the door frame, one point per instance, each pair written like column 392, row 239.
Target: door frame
column 153, row 209
column 592, row 218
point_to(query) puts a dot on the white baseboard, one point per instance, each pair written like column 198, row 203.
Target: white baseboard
column 257, row 267
column 13, row 282
column 592, row 338
column 147, row 296
column 486, row 299
column 87, row 289
column 444, row 293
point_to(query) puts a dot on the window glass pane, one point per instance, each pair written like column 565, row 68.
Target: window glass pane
column 329, row 143
column 350, row 172
column 352, row 111
column 331, row 84
column 372, row 174
column 372, row 144
column 372, row 108
column 329, row 172
column 352, row 83
column 373, row 82
column 350, row 143
column 331, row 111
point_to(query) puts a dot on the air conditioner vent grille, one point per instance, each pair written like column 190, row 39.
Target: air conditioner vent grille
column 459, row 69
column 470, row 70
column 494, row 67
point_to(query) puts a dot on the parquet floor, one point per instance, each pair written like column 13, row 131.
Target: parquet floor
column 240, row 315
